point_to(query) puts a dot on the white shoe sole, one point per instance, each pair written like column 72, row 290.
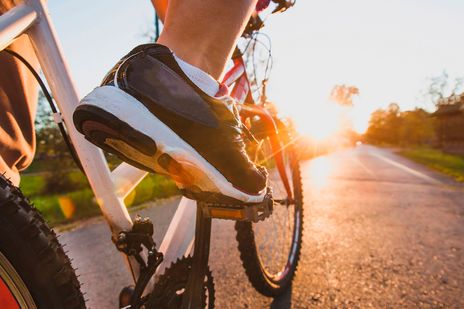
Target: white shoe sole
column 194, row 174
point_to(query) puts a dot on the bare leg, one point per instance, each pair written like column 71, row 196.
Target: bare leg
column 188, row 131
column 204, row 32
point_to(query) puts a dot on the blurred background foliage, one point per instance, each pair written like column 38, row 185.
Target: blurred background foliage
column 433, row 135
column 60, row 190
column 391, row 126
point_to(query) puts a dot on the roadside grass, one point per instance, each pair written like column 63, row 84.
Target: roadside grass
column 62, row 194
column 79, row 202
column 449, row 164
column 32, row 185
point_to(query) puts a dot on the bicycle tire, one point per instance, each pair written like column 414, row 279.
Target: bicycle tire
column 264, row 282
column 32, row 249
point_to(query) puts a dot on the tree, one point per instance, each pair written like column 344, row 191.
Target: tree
column 417, row 128
column 394, row 127
column 43, row 117
column 50, row 143
column 343, row 94
column 52, row 149
column 376, row 132
column 441, row 87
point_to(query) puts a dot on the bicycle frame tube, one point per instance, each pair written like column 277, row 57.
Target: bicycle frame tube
column 237, row 77
column 109, row 188
column 32, row 19
column 15, row 22
column 55, row 69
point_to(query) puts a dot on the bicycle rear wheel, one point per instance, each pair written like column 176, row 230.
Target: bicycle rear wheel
column 270, row 250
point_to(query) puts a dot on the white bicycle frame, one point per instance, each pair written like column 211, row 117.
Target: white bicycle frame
column 110, row 187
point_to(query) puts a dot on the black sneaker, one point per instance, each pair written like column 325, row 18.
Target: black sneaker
column 149, row 113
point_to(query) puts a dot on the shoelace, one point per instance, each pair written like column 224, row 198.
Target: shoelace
column 232, row 106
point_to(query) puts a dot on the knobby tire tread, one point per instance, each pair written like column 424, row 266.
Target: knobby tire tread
column 34, row 251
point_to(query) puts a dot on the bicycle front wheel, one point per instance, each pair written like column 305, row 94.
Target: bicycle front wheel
column 35, row 272
column 270, row 250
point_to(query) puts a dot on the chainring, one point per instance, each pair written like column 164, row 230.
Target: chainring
column 170, row 287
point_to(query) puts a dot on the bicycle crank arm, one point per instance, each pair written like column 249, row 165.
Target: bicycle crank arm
column 194, row 293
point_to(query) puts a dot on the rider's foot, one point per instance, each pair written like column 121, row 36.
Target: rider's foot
column 151, row 115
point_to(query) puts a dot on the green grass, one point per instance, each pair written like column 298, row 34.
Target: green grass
column 80, row 203
column 152, row 187
column 451, row 165
column 36, row 184
column 32, row 185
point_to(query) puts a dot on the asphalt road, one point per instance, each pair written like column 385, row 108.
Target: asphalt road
column 380, row 232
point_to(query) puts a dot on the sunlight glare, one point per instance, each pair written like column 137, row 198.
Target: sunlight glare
column 320, row 171
column 318, row 121
column 360, row 118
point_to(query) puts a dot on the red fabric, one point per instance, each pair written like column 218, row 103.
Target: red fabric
column 262, row 4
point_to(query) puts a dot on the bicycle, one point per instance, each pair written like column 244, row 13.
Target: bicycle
column 35, row 271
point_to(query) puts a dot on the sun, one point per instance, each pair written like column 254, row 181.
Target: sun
column 318, row 122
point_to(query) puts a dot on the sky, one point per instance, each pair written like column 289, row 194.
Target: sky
column 388, row 49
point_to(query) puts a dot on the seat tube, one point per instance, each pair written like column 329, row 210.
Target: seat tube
column 56, row 71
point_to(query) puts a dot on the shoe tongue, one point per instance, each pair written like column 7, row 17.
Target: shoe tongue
column 229, row 102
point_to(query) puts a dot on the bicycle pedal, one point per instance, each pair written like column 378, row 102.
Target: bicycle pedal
column 239, row 212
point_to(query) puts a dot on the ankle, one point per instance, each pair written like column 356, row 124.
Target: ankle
column 202, row 57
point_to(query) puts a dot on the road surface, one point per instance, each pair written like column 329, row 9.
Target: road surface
column 380, row 232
